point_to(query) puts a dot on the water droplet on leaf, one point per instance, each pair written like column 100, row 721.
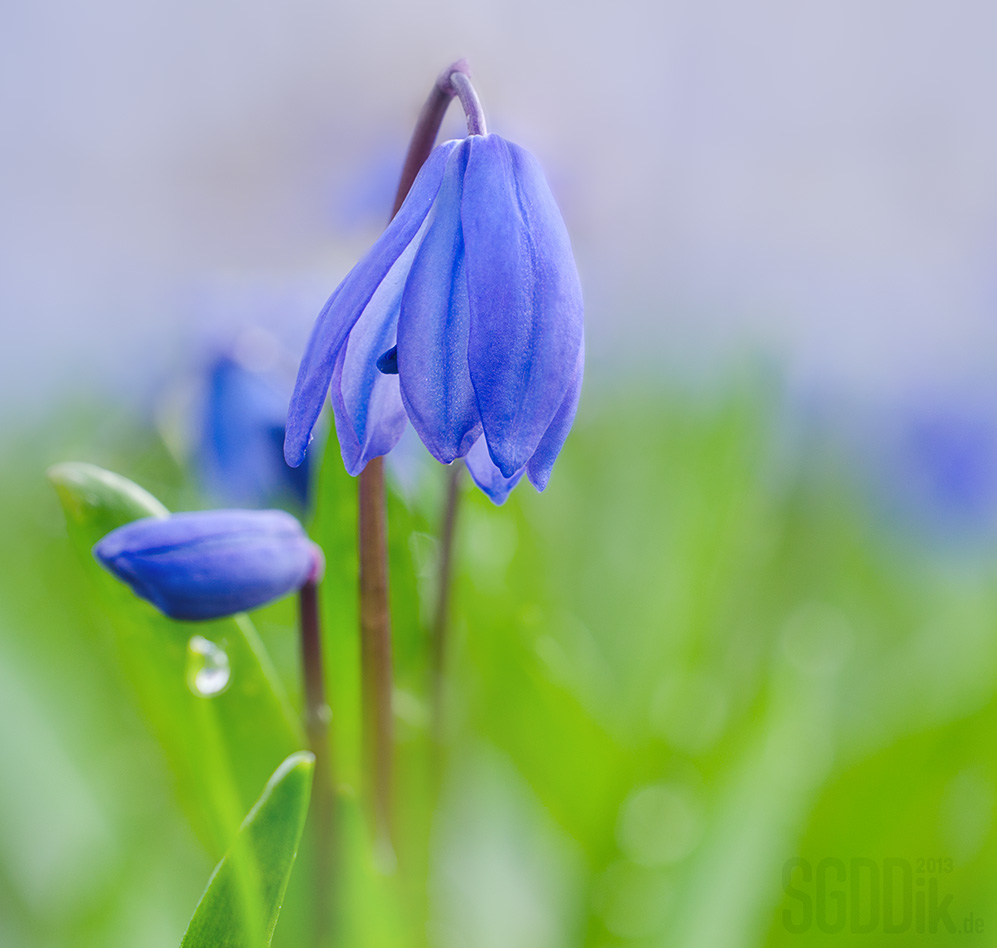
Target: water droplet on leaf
column 208, row 669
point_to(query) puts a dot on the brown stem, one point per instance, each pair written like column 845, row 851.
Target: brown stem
column 375, row 613
column 317, row 715
column 441, row 614
column 375, row 647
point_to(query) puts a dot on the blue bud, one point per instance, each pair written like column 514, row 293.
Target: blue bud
column 465, row 318
column 214, row 563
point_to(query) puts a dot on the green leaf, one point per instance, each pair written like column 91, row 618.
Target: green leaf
column 240, row 905
column 221, row 748
column 97, row 501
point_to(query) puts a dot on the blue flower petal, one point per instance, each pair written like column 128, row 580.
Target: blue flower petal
column 370, row 416
column 348, row 302
column 208, row 564
column 542, row 462
column 524, row 295
column 487, row 476
column 433, row 329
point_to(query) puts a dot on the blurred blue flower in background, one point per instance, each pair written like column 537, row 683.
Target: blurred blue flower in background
column 955, row 461
column 465, row 318
column 929, row 464
column 950, row 466
column 214, row 563
column 239, row 457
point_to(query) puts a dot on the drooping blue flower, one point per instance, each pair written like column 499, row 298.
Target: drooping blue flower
column 465, row 318
column 213, row 563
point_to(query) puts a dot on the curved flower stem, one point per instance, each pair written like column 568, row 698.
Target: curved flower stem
column 455, row 80
column 375, row 648
column 441, row 614
column 375, row 612
column 317, row 716
column 461, row 82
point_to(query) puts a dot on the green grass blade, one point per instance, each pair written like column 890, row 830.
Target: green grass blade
column 240, row 905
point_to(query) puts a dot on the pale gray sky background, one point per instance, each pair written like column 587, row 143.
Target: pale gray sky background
column 812, row 179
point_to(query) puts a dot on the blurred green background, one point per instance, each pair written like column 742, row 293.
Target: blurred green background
column 732, row 675
column 711, row 647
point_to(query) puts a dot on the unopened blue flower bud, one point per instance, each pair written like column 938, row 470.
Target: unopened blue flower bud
column 214, row 563
column 465, row 318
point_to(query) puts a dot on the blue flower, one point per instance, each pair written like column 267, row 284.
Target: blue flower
column 211, row 563
column 465, row 318
column 239, row 457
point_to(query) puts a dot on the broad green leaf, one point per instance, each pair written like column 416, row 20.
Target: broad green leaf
column 223, row 747
column 240, row 905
